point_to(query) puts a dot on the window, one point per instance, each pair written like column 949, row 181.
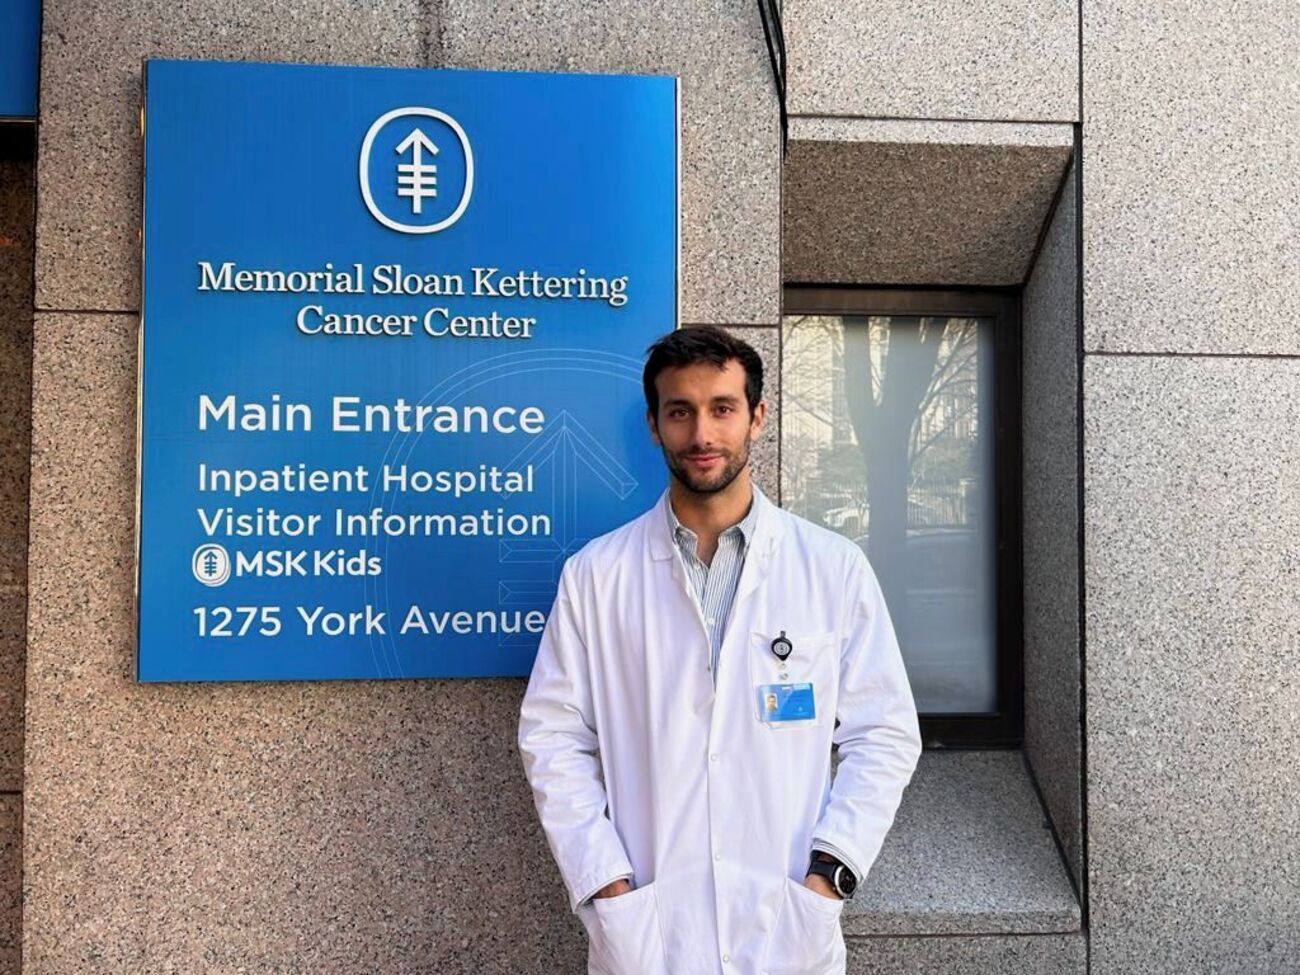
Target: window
column 900, row 430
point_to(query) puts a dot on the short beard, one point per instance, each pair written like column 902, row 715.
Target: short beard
column 730, row 471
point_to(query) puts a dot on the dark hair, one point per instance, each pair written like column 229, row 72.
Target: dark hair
column 701, row 343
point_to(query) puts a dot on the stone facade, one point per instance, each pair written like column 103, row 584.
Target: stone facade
column 345, row 827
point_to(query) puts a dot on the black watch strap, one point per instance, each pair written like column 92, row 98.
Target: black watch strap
column 840, row 877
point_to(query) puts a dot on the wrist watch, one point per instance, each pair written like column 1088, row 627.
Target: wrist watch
column 841, row 877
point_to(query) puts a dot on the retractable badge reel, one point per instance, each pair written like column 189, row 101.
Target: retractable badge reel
column 781, row 649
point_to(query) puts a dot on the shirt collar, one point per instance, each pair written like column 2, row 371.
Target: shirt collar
column 745, row 526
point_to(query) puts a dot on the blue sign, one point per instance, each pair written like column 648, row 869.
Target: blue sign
column 393, row 327
column 20, row 45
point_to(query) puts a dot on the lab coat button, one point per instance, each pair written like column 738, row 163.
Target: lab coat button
column 726, row 959
column 717, row 856
column 713, row 757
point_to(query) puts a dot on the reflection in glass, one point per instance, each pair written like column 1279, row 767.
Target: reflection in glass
column 886, row 438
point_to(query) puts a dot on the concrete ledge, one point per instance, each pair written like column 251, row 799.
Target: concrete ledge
column 1041, row 954
column 823, row 128
column 971, row 852
column 896, row 202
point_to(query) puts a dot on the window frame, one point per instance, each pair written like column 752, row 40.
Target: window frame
column 1004, row 727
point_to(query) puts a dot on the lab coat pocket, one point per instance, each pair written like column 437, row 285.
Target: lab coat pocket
column 806, row 939
column 631, row 941
column 813, row 659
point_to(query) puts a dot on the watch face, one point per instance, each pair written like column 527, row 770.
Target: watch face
column 845, row 881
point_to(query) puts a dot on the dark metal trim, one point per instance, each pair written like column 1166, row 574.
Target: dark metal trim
column 1003, row 728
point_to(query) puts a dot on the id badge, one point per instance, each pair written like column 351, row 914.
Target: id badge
column 786, row 703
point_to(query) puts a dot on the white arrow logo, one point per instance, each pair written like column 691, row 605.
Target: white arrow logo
column 417, row 179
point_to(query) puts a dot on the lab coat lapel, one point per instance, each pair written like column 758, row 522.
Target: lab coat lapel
column 665, row 557
column 762, row 550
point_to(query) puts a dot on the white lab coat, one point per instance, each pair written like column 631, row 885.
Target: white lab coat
column 639, row 767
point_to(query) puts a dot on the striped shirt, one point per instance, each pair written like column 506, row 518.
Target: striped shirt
column 714, row 585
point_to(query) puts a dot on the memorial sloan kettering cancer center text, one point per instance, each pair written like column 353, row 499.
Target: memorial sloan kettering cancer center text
column 437, row 321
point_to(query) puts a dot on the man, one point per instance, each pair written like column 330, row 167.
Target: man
column 696, row 668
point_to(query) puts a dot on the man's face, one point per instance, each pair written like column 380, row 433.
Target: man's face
column 704, row 424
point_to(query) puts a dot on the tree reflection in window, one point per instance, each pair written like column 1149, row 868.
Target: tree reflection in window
column 882, row 441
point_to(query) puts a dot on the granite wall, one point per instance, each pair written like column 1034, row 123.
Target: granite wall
column 1050, row 529
column 1008, row 60
column 340, row 827
column 1191, row 206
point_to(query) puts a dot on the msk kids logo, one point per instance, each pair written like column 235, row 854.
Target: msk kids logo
column 416, row 170
column 211, row 564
